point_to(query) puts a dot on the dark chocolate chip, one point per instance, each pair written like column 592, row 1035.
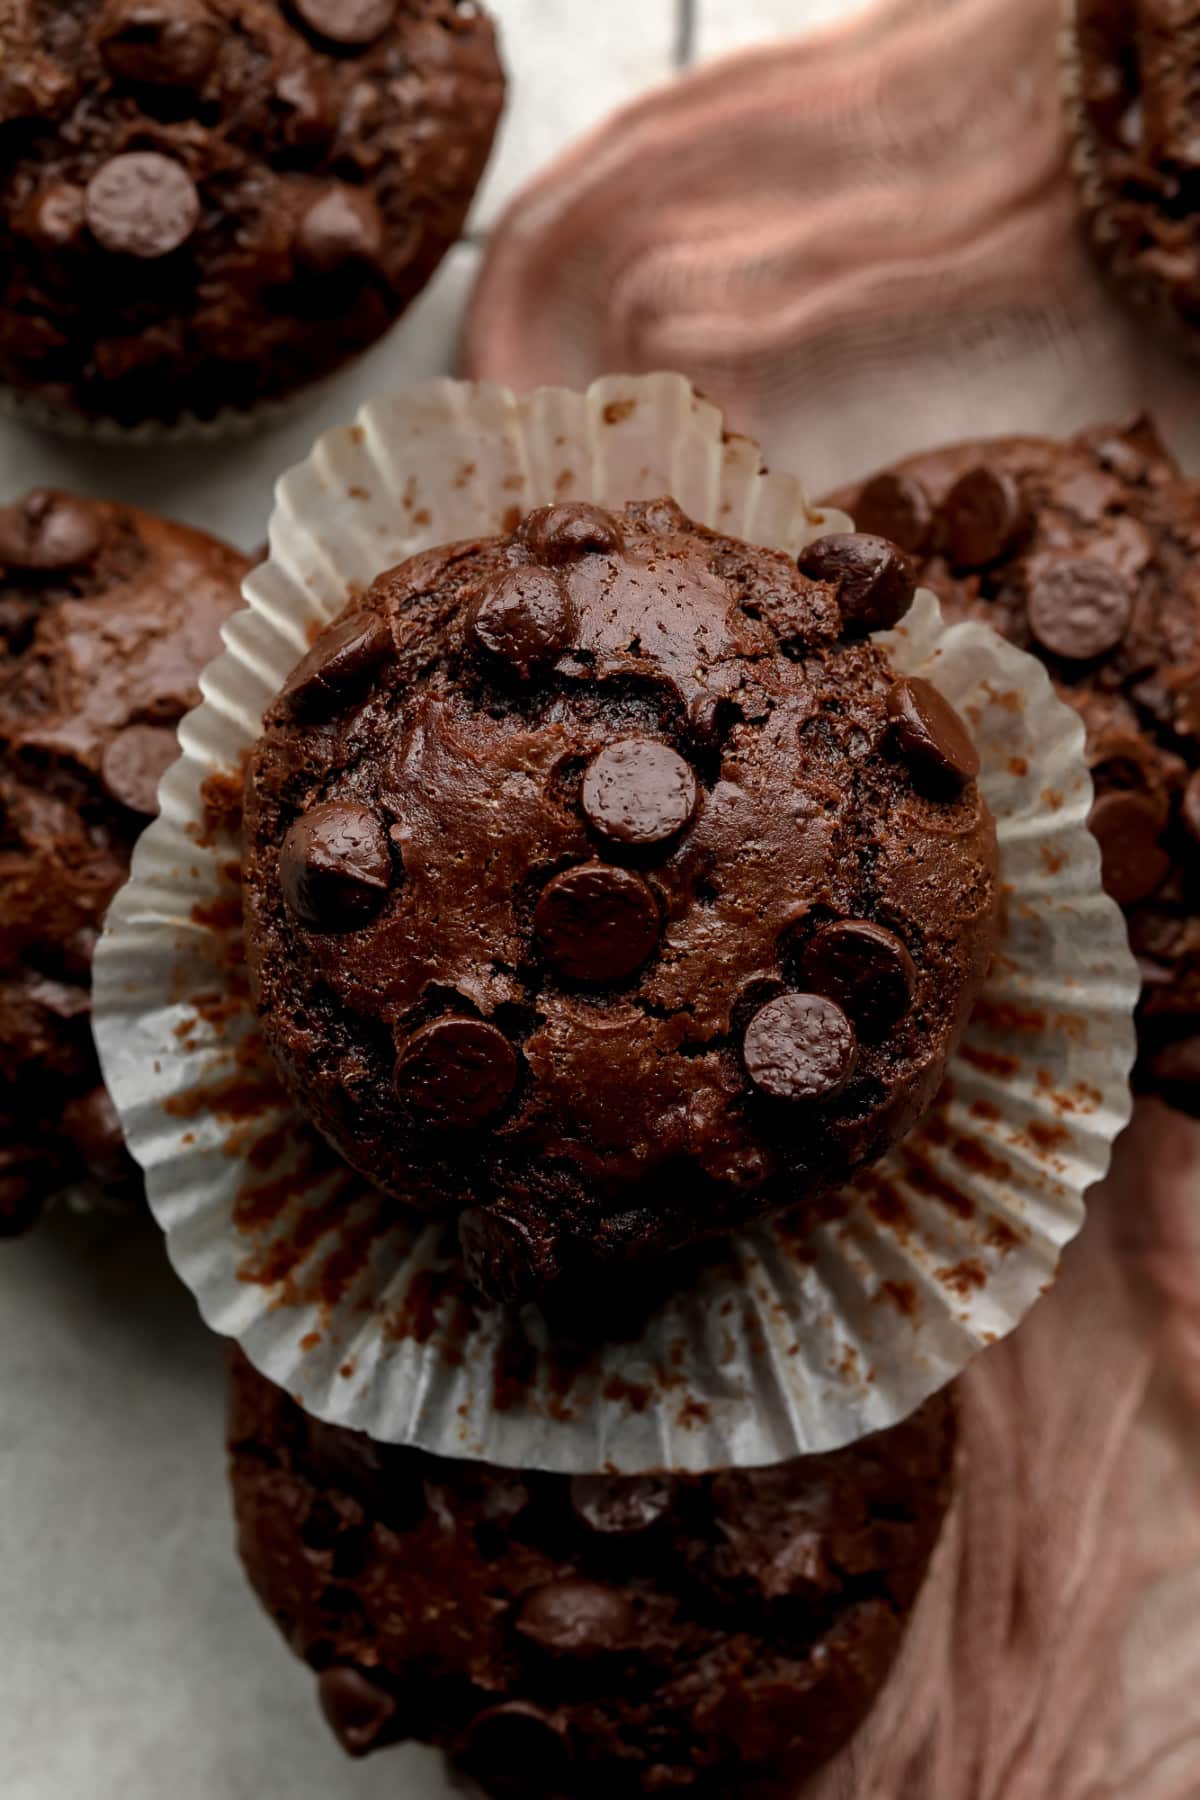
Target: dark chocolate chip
column 874, row 580
column 361, row 1714
column 135, row 762
column 55, row 216
column 576, row 1618
column 1079, row 608
column 896, row 507
column 456, row 1071
column 341, row 225
column 929, row 732
column 596, row 923
column 563, row 533
column 351, row 22
column 517, row 1747
column 48, row 531
column 638, row 791
column 163, row 43
column 800, row 1047
column 982, row 516
column 862, row 966
column 524, row 620
column 1133, row 863
column 508, row 1258
column 335, row 866
column 310, row 107
column 621, row 1506
column 338, row 663
column 1189, row 806
column 142, row 204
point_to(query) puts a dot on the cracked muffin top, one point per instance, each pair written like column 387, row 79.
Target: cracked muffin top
column 209, row 203
column 606, row 887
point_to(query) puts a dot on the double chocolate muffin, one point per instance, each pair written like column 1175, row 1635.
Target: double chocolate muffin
column 107, row 617
column 1087, row 554
column 1134, row 68
column 607, row 889
column 712, row 1635
column 206, row 204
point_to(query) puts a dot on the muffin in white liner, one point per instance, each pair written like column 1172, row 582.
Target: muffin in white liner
column 784, row 1341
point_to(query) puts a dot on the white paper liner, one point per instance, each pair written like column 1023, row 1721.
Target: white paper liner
column 789, row 1343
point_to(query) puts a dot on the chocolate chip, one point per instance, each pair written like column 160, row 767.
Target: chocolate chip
column 800, row 1047
column 55, row 216
column 524, row 619
column 135, row 762
column 456, row 1071
column 1079, row 608
column 517, row 1746
column 310, row 107
column 874, row 580
column 930, row 734
column 982, row 516
column 341, row 225
column 596, row 923
column 562, row 534
column 360, row 1713
column 896, row 507
column 1189, row 806
column 164, row 43
column 638, row 791
column 338, row 663
column 335, row 867
column 47, row 532
column 1133, row 863
column 862, row 966
column 350, row 22
column 508, row 1258
column 621, row 1506
column 142, row 204
column 576, row 1618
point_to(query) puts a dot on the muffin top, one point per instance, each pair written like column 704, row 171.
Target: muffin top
column 1138, row 64
column 207, row 203
column 1087, row 553
column 605, row 885
column 597, row 1635
column 107, row 617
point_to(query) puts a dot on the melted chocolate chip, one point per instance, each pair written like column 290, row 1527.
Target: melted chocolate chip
column 1189, row 806
column 930, row 734
column 862, row 966
column 341, row 659
column 342, row 225
column 981, row 516
column 896, row 507
column 621, row 1506
column 509, row 1258
column 456, row 1072
column 638, row 791
column 360, row 1712
column 142, row 204
column 135, row 762
column 517, row 1746
column 163, row 43
column 562, row 534
column 800, row 1047
column 524, row 619
column 1133, row 863
column 354, row 23
column 874, row 580
column 335, row 867
column 597, row 924
column 576, row 1618
column 1079, row 608
column 47, row 532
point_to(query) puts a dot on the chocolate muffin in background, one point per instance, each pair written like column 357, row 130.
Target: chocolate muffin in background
column 607, row 889
column 1087, row 553
column 207, row 204
column 713, row 1635
column 1133, row 69
column 107, row 617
